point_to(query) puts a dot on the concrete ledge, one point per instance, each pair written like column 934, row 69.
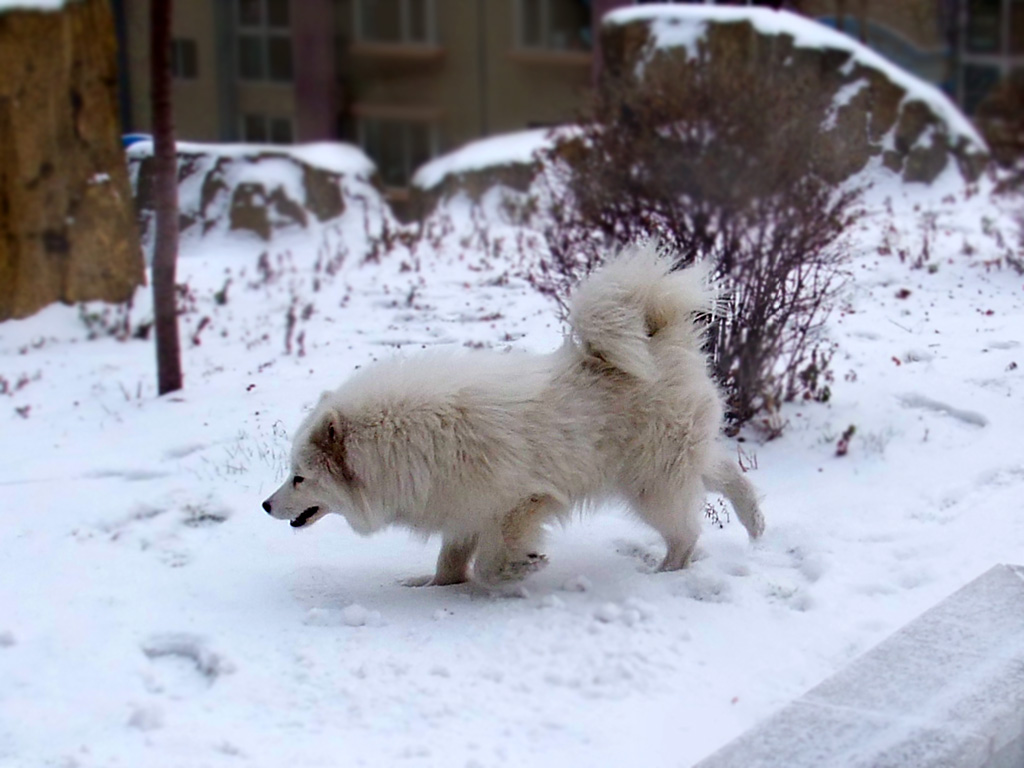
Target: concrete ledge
column 946, row 691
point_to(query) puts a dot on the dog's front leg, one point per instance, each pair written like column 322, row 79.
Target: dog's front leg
column 453, row 561
column 452, row 564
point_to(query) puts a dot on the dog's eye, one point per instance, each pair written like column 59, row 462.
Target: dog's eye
column 298, row 479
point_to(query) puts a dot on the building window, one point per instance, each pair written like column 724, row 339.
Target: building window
column 991, row 47
column 409, row 22
column 978, row 82
column 398, row 147
column 984, row 24
column 184, row 59
column 769, row 3
column 261, row 129
column 1017, row 27
column 994, row 27
column 554, row 25
column 264, row 40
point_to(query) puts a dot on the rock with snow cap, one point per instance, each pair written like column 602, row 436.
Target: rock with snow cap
column 868, row 109
column 258, row 190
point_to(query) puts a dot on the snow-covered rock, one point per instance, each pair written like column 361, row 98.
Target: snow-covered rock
column 32, row 5
column 509, row 160
column 258, row 189
column 868, row 119
column 506, row 149
column 866, row 106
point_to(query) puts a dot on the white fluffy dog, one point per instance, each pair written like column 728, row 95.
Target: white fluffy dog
column 486, row 447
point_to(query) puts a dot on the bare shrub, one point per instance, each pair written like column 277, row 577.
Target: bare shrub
column 718, row 169
column 112, row 320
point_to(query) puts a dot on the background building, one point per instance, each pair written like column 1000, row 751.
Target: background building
column 408, row 79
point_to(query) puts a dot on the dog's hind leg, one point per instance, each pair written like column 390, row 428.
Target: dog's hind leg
column 724, row 477
column 510, row 549
column 675, row 514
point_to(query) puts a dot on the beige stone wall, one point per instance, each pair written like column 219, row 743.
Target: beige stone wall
column 67, row 230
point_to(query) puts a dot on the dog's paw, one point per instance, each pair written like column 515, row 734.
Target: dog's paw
column 417, row 581
column 647, row 558
column 756, row 528
column 430, row 581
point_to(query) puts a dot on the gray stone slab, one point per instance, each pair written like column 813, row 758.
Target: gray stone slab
column 945, row 691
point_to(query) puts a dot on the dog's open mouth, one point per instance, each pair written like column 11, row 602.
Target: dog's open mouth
column 306, row 516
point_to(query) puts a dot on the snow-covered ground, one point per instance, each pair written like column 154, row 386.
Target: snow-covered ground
column 31, row 5
column 151, row 614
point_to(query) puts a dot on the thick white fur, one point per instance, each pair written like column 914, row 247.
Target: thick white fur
column 485, row 447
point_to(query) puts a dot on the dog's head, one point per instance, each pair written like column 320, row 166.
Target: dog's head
column 322, row 479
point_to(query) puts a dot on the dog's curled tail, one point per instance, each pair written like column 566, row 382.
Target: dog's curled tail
column 616, row 311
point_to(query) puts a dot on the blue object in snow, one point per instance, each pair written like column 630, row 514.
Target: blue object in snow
column 134, row 138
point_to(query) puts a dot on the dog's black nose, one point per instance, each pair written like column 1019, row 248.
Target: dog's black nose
column 266, row 507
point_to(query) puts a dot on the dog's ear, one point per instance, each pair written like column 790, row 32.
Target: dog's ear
column 330, row 439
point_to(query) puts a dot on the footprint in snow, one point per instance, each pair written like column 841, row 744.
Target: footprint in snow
column 648, row 558
column 789, row 592
column 788, row 572
column 146, row 718
column 131, row 475
column 1001, row 476
column 203, row 515
column 351, row 616
column 971, row 418
column 703, row 587
column 193, row 649
column 918, row 356
column 810, row 565
column 181, row 451
column 631, row 612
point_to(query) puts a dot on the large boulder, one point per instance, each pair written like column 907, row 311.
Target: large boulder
column 510, row 160
column 256, row 190
column 66, row 227
column 867, row 108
